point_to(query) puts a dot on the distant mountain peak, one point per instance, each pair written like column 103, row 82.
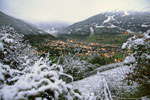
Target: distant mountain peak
column 53, row 27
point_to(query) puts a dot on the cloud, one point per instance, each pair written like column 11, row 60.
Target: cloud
column 65, row 10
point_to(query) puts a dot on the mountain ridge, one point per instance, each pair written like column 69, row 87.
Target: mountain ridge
column 19, row 25
column 111, row 23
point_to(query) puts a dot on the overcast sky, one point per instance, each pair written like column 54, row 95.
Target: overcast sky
column 66, row 10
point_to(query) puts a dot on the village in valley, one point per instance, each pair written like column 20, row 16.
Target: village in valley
column 80, row 48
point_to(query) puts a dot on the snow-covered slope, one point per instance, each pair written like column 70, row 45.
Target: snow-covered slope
column 95, row 84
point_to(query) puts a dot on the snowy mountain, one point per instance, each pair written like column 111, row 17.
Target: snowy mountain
column 19, row 25
column 52, row 27
column 111, row 23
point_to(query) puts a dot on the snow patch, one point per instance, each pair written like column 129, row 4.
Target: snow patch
column 1, row 46
column 144, row 25
column 126, row 13
column 40, row 32
column 101, row 26
column 129, row 59
column 91, row 31
column 112, row 26
column 109, row 18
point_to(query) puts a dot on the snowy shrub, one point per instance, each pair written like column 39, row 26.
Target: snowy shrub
column 41, row 82
column 75, row 67
column 25, row 76
column 139, row 60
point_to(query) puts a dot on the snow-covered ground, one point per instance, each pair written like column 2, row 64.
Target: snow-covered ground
column 104, row 68
column 95, row 84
